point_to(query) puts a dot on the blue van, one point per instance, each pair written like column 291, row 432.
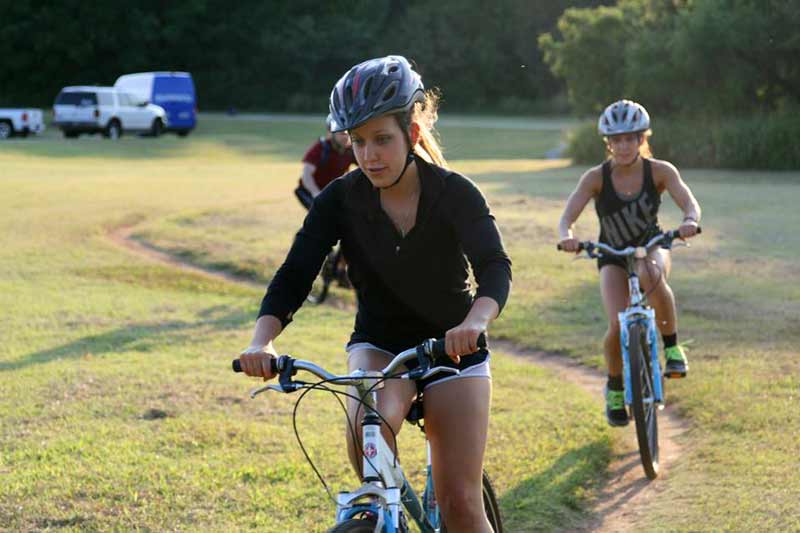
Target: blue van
column 174, row 91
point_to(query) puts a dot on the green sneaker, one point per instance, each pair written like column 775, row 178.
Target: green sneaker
column 677, row 366
column 616, row 414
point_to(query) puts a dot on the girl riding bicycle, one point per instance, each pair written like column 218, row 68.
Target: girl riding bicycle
column 627, row 189
column 410, row 229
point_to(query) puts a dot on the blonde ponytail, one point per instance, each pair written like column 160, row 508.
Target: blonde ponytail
column 425, row 113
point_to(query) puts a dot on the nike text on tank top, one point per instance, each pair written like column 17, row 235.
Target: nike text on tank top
column 628, row 221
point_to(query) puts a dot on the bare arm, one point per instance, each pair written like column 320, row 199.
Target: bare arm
column 588, row 187
column 307, row 179
column 683, row 198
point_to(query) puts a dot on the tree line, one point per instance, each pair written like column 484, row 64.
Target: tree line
column 282, row 56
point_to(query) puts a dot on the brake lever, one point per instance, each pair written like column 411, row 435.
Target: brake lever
column 256, row 392
column 294, row 385
column 442, row 369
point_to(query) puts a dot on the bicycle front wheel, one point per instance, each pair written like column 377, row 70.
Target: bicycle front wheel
column 644, row 405
column 490, row 506
column 354, row 525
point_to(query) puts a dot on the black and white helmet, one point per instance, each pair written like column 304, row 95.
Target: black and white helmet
column 373, row 88
column 624, row 116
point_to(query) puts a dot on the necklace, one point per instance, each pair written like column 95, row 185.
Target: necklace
column 403, row 219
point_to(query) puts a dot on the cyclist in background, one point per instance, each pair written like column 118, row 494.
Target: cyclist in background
column 626, row 190
column 410, row 229
column 327, row 159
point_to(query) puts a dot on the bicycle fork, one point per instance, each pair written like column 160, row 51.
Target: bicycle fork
column 646, row 316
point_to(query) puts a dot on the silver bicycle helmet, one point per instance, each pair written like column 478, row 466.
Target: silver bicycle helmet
column 624, row 116
column 373, row 88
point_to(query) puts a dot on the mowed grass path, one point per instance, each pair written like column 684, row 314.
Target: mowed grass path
column 738, row 292
column 118, row 410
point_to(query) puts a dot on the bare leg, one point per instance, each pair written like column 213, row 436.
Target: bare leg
column 653, row 274
column 394, row 401
column 457, row 423
column 614, row 291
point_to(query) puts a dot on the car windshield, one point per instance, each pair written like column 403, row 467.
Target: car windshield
column 76, row 98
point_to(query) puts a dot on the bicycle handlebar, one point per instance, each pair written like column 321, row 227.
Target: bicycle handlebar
column 433, row 349
column 665, row 238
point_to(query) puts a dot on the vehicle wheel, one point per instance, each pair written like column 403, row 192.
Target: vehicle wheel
column 489, row 505
column 70, row 134
column 113, row 130
column 157, row 128
column 6, row 129
column 183, row 133
column 354, row 525
column 643, row 399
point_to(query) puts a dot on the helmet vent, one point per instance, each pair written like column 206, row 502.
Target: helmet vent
column 393, row 69
column 389, row 93
column 367, row 86
column 348, row 96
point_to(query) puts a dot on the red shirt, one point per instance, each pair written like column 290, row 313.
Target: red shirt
column 329, row 163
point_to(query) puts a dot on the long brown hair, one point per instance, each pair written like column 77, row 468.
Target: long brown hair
column 425, row 113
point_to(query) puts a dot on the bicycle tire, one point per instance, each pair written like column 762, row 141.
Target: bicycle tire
column 645, row 414
column 354, row 525
column 490, row 506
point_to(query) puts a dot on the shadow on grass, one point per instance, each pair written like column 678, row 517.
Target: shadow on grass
column 141, row 337
column 554, row 499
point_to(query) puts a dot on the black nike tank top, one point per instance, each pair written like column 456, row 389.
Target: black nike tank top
column 628, row 221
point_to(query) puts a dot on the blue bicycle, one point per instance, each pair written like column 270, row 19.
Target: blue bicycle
column 378, row 505
column 642, row 373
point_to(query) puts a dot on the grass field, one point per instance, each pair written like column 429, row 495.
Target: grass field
column 118, row 411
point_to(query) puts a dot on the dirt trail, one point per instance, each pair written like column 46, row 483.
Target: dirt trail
column 621, row 501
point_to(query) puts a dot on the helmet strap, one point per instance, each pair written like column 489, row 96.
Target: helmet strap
column 409, row 159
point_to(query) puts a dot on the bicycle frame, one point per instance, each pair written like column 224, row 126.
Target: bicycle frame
column 384, row 485
column 646, row 397
column 380, row 465
column 638, row 311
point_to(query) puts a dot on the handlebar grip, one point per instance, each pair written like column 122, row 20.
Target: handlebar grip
column 581, row 247
column 438, row 351
column 273, row 363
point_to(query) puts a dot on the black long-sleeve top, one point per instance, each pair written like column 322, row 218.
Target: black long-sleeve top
column 409, row 288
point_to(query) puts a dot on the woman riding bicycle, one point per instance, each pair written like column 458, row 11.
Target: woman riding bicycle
column 627, row 189
column 410, row 230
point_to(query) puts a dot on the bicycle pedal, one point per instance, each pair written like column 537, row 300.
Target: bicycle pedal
column 675, row 375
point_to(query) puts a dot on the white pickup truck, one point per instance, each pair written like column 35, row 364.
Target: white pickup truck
column 20, row 122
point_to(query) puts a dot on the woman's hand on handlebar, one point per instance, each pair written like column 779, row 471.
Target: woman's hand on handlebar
column 570, row 245
column 256, row 361
column 688, row 229
column 463, row 339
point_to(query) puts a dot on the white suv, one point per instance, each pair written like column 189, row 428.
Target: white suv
column 89, row 109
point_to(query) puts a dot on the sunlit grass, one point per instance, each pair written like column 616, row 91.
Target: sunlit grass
column 738, row 300
column 118, row 409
